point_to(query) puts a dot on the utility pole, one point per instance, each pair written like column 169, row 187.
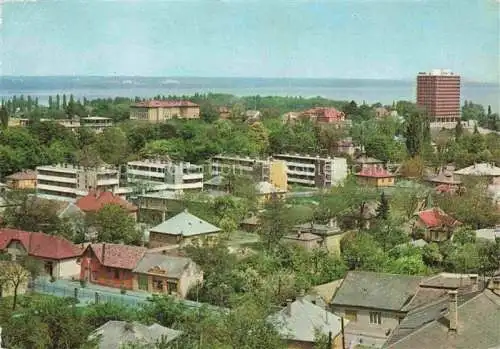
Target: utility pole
column 342, row 332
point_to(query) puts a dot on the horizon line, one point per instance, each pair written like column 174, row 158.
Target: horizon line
column 464, row 79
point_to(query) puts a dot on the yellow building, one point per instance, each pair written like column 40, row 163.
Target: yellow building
column 22, row 180
column 376, row 176
column 160, row 111
column 262, row 170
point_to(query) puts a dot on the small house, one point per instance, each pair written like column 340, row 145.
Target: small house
column 180, row 229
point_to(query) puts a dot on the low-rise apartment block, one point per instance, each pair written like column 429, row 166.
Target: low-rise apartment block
column 262, row 170
column 165, row 175
column 314, row 171
column 160, row 111
column 96, row 123
column 69, row 182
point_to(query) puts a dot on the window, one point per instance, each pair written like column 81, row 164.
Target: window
column 375, row 317
column 171, row 286
column 158, row 285
column 351, row 315
column 117, row 274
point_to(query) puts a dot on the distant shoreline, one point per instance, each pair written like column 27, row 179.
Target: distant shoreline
column 360, row 90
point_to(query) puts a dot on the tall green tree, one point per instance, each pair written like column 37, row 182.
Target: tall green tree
column 414, row 133
column 4, row 117
column 115, row 225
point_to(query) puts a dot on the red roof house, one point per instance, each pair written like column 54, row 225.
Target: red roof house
column 324, row 115
column 111, row 264
column 60, row 256
column 438, row 225
column 95, row 201
column 165, row 104
column 377, row 176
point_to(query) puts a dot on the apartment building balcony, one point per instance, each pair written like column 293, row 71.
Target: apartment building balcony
column 55, row 188
column 191, row 176
column 301, row 180
column 110, row 181
column 145, row 173
column 41, row 176
column 309, row 164
column 300, row 173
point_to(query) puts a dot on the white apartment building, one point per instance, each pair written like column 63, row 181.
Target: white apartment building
column 96, row 123
column 314, row 171
column 159, row 175
column 68, row 182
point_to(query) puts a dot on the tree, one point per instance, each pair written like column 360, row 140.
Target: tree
column 208, row 112
column 459, row 129
column 112, row 146
column 275, row 222
column 383, row 208
column 15, row 275
column 114, row 225
column 414, row 133
column 4, row 116
column 33, row 214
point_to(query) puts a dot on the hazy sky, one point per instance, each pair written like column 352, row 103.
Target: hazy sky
column 268, row 38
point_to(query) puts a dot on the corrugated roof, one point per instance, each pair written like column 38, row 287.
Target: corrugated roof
column 376, row 290
column 170, row 266
column 185, row 224
column 302, row 319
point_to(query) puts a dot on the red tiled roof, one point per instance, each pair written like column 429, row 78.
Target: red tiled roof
column 23, row 175
column 118, row 256
column 374, row 172
column 40, row 244
column 94, row 201
column 325, row 114
column 435, row 217
column 164, row 104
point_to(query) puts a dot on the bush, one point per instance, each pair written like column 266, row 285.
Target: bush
column 52, row 279
column 123, row 290
column 83, row 283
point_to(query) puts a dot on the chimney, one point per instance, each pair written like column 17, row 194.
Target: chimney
column 103, row 253
column 289, row 307
column 474, row 282
column 453, row 311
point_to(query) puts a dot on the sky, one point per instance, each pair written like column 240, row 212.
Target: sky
column 373, row 39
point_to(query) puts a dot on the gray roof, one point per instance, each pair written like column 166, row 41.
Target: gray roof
column 483, row 169
column 427, row 327
column 185, row 224
column 300, row 319
column 376, row 290
column 172, row 265
column 114, row 334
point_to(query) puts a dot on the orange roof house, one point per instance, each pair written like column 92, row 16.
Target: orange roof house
column 438, row 225
column 96, row 200
column 376, row 176
column 58, row 255
column 324, row 115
